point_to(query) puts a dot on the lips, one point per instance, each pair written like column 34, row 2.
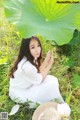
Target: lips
column 36, row 54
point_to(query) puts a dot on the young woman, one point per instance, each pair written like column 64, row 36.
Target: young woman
column 29, row 79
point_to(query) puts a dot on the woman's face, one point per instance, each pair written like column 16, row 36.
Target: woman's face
column 35, row 48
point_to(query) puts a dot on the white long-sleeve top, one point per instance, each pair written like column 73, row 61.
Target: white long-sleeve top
column 26, row 75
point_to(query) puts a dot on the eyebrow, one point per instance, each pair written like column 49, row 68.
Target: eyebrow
column 34, row 45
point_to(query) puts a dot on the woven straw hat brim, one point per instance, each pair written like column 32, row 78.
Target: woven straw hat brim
column 42, row 107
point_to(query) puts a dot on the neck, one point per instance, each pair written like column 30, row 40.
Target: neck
column 35, row 61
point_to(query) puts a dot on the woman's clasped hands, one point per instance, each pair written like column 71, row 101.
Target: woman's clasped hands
column 49, row 58
column 48, row 61
column 47, row 64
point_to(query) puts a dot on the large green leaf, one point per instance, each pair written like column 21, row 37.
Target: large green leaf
column 54, row 21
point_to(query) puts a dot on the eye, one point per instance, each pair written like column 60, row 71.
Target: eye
column 38, row 45
column 32, row 47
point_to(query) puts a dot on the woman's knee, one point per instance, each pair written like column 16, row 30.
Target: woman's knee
column 52, row 79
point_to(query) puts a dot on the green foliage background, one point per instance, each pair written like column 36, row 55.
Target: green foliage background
column 66, row 68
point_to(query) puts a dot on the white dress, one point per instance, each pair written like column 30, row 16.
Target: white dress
column 27, row 84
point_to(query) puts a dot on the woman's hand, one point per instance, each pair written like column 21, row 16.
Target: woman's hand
column 45, row 62
column 50, row 62
column 48, row 56
column 46, row 65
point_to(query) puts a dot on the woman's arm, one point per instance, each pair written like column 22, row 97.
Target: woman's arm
column 45, row 62
column 45, row 71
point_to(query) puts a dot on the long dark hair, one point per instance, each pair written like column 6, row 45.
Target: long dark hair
column 25, row 52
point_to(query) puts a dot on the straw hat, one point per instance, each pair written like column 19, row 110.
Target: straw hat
column 50, row 111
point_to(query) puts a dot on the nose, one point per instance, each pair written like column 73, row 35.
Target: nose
column 36, row 49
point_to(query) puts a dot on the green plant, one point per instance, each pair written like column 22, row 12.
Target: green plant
column 49, row 18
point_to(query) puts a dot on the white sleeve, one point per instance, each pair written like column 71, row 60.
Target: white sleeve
column 31, row 73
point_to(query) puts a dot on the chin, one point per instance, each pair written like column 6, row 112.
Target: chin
column 37, row 56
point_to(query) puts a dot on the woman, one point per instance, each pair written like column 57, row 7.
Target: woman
column 28, row 77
